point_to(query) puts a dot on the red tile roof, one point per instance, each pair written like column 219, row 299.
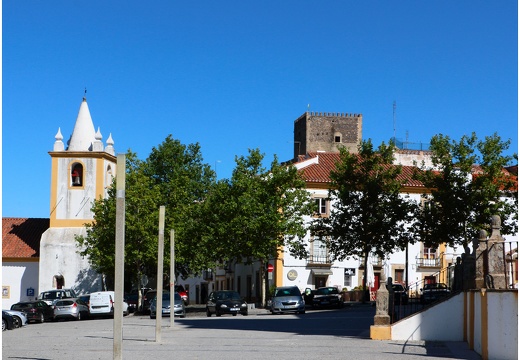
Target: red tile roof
column 319, row 172
column 21, row 237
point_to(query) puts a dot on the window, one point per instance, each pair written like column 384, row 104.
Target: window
column 337, row 137
column 399, row 276
column 76, row 175
column 322, row 205
column 429, row 253
column 319, row 251
column 347, row 281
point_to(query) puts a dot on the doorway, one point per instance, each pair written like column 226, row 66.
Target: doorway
column 320, row 281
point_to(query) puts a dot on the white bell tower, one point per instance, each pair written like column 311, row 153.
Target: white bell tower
column 80, row 173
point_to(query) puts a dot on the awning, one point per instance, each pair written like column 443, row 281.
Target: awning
column 322, row 272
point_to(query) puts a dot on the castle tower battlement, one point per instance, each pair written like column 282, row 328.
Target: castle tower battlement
column 325, row 131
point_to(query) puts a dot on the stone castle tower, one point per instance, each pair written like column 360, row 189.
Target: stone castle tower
column 80, row 174
column 327, row 132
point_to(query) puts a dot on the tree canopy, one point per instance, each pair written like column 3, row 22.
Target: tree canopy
column 250, row 216
column 257, row 212
column 468, row 185
column 368, row 212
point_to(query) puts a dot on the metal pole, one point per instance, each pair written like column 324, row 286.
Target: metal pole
column 120, row 257
column 160, row 264
column 172, row 278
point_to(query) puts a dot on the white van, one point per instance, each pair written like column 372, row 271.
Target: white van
column 102, row 304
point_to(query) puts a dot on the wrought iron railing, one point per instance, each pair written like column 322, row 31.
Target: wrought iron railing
column 319, row 259
column 428, row 262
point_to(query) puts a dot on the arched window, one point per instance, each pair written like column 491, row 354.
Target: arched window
column 76, row 175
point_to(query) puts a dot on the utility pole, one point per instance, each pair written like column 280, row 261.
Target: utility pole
column 160, row 264
column 172, row 278
column 120, row 257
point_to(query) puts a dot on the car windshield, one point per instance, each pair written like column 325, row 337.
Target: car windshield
column 435, row 286
column 287, row 292
column 51, row 295
column 228, row 296
column 326, row 291
column 398, row 287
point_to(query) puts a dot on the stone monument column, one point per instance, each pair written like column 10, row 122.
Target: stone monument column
column 496, row 257
column 481, row 254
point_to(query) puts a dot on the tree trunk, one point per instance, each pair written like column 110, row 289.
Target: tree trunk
column 365, row 276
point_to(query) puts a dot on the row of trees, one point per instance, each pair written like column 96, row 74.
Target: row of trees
column 259, row 210
column 466, row 185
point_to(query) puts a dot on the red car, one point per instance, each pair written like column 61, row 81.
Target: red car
column 182, row 293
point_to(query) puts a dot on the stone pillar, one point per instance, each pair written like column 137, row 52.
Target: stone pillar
column 381, row 330
column 480, row 246
column 496, row 257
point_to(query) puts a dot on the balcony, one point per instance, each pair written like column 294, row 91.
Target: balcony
column 372, row 259
column 428, row 262
column 319, row 260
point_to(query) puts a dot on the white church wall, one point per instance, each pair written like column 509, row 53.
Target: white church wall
column 59, row 257
column 21, row 280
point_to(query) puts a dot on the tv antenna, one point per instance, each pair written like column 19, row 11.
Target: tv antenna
column 394, row 117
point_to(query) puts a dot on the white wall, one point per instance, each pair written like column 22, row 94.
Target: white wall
column 495, row 333
column 19, row 276
column 443, row 322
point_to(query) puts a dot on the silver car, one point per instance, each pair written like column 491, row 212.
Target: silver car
column 178, row 308
column 74, row 308
column 19, row 318
column 287, row 299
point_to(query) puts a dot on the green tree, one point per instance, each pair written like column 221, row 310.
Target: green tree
column 258, row 212
column 141, row 215
column 184, row 181
column 368, row 212
column 174, row 176
column 468, row 185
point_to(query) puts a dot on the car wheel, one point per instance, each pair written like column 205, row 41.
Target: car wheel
column 17, row 322
column 217, row 313
column 245, row 314
column 208, row 313
column 42, row 318
column 183, row 316
column 79, row 316
column 234, row 314
column 4, row 325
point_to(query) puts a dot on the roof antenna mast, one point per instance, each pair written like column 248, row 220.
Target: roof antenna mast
column 394, row 118
column 85, row 94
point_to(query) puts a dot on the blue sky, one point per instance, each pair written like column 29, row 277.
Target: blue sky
column 234, row 75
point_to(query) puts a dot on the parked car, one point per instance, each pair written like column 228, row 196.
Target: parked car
column 37, row 310
column 287, row 299
column 434, row 292
column 225, row 302
column 327, row 297
column 400, row 294
column 147, row 299
column 73, row 308
column 19, row 318
column 7, row 321
column 50, row 296
column 102, row 304
column 178, row 306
